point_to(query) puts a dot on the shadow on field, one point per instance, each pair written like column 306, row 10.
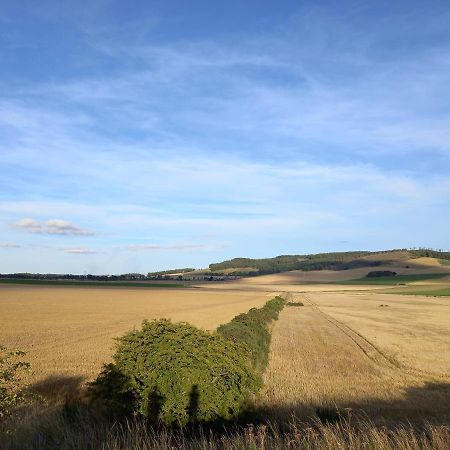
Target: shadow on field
column 417, row 405
column 71, row 391
column 59, row 388
column 76, row 425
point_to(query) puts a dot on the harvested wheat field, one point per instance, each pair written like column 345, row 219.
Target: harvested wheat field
column 71, row 331
column 354, row 362
column 346, row 351
column 413, row 330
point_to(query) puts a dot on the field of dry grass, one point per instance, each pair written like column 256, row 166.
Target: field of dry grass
column 351, row 351
column 344, row 350
column 414, row 330
column 71, row 331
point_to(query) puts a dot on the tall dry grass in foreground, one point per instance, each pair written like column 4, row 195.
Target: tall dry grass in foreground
column 80, row 431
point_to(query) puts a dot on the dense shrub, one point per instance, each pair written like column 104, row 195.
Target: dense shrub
column 12, row 372
column 176, row 373
column 295, row 304
column 381, row 273
column 251, row 330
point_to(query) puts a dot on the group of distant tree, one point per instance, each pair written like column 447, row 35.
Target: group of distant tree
column 381, row 273
column 167, row 275
column 320, row 261
column 430, row 253
column 170, row 272
column 68, row 276
column 286, row 262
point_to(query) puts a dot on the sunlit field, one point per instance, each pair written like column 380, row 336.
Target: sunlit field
column 71, row 331
column 383, row 356
column 354, row 362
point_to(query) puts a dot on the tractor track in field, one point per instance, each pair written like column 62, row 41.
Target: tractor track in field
column 368, row 348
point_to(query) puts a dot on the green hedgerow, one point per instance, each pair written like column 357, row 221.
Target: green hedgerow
column 176, row 373
column 251, row 331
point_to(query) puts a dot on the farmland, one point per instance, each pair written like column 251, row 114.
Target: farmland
column 348, row 350
column 90, row 284
column 401, row 279
column 429, row 292
column 71, row 331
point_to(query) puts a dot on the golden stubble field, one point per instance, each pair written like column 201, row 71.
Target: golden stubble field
column 344, row 350
column 70, row 331
column 341, row 349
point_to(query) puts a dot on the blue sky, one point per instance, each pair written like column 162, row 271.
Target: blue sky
column 137, row 136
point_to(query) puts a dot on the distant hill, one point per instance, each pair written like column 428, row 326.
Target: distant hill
column 171, row 272
column 321, row 261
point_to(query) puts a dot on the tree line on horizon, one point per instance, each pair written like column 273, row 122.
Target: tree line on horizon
column 251, row 266
column 319, row 261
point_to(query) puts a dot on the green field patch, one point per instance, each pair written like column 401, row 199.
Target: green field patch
column 429, row 293
column 109, row 284
column 392, row 281
column 444, row 262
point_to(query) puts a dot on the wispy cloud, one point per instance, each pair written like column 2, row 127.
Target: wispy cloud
column 8, row 245
column 174, row 247
column 53, row 226
column 30, row 225
column 78, row 250
column 277, row 141
column 332, row 92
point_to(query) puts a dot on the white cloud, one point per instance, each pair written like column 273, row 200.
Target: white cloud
column 30, row 225
column 53, row 226
column 58, row 226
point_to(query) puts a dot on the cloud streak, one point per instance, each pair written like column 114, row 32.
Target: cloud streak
column 51, row 227
column 8, row 245
column 78, row 250
column 174, row 247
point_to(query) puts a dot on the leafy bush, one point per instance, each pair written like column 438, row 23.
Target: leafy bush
column 295, row 304
column 12, row 372
column 251, row 331
column 176, row 373
column 381, row 273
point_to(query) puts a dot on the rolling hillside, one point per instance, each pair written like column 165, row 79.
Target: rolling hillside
column 343, row 261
